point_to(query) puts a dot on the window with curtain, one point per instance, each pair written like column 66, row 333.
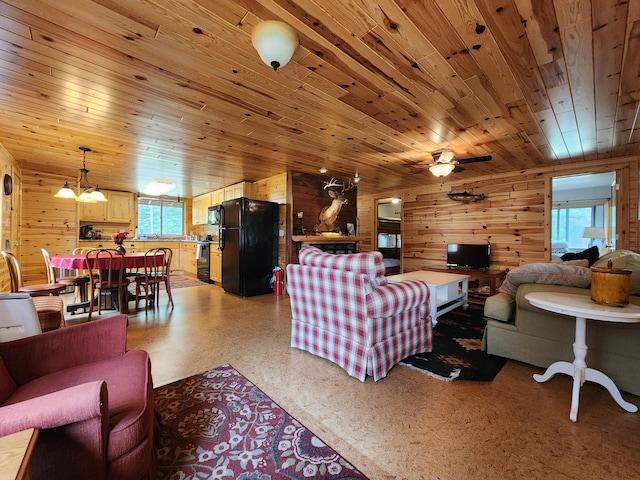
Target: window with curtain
column 159, row 216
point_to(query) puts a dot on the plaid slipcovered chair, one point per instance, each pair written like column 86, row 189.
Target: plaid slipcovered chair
column 344, row 310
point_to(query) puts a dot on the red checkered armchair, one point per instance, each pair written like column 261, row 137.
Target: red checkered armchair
column 344, row 310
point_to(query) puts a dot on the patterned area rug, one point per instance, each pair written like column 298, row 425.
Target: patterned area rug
column 177, row 281
column 219, row 425
column 457, row 350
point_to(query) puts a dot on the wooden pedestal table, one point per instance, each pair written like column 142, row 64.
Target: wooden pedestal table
column 583, row 308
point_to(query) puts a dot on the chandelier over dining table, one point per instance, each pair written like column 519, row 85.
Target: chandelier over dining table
column 86, row 192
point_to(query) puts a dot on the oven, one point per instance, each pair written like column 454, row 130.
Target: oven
column 202, row 261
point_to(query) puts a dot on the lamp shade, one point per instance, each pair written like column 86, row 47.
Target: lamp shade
column 441, row 169
column 593, row 232
column 275, row 42
column 65, row 192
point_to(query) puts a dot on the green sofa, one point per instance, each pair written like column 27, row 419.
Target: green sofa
column 539, row 337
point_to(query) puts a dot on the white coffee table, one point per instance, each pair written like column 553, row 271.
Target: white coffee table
column 447, row 290
column 583, row 308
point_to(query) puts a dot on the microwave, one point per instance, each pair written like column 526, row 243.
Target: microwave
column 213, row 218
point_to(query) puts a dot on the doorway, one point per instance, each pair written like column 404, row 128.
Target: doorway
column 388, row 233
column 583, row 213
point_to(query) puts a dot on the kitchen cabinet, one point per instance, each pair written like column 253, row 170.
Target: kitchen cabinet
column 242, row 189
column 215, row 264
column 200, row 209
column 217, row 197
column 119, row 208
column 188, row 257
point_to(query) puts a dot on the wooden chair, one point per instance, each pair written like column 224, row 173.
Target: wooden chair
column 15, row 277
column 49, row 305
column 107, row 277
column 156, row 272
column 80, row 282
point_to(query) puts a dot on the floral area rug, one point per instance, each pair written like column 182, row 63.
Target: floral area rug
column 457, row 348
column 218, row 425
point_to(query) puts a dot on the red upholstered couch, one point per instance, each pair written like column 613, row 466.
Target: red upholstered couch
column 92, row 400
column 344, row 310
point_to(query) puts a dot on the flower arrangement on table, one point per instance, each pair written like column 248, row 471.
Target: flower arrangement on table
column 119, row 237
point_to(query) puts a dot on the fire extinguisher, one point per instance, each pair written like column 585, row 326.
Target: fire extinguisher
column 277, row 281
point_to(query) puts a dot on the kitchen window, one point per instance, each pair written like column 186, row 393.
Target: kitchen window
column 160, row 216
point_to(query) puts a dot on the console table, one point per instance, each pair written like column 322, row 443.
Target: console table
column 488, row 281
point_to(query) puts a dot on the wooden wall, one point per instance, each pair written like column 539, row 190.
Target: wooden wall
column 9, row 213
column 45, row 222
column 514, row 216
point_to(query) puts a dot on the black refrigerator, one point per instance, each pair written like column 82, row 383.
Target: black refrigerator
column 248, row 240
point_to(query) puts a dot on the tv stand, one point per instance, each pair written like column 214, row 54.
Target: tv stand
column 483, row 282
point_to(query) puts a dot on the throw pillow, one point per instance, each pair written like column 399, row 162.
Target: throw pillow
column 592, row 254
column 7, row 384
column 626, row 260
column 367, row 263
column 548, row 273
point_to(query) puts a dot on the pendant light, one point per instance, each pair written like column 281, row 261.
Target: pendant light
column 275, row 42
column 89, row 194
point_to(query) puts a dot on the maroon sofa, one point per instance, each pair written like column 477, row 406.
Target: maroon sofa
column 91, row 399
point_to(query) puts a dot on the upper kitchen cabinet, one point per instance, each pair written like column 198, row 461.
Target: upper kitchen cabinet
column 242, row 189
column 217, row 197
column 119, row 207
column 200, row 208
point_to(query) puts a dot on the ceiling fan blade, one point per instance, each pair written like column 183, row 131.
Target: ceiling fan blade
column 458, row 169
column 484, row 158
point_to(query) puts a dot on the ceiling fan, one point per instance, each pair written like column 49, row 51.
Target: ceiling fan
column 444, row 163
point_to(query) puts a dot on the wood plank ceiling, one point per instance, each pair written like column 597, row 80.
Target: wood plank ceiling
column 173, row 89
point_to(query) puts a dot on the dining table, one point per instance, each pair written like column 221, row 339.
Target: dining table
column 127, row 261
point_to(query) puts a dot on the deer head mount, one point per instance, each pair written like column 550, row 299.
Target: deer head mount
column 329, row 213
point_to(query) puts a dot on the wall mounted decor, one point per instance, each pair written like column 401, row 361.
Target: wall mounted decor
column 465, row 196
column 8, row 184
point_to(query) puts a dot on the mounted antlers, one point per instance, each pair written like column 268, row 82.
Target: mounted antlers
column 329, row 213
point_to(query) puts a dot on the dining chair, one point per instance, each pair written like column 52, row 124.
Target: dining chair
column 80, row 282
column 107, row 277
column 156, row 269
column 15, row 278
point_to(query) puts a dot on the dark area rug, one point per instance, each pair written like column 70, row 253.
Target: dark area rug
column 457, row 350
column 219, row 425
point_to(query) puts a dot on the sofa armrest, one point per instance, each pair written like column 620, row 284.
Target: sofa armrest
column 84, row 402
column 394, row 298
column 33, row 357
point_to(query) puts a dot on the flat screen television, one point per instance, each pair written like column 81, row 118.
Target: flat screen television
column 465, row 255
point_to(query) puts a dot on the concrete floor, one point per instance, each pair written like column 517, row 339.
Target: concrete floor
column 407, row 425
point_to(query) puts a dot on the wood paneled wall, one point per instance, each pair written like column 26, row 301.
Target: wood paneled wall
column 513, row 217
column 45, row 222
column 9, row 213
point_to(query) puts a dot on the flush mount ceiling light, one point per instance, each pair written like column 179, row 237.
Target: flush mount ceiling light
column 158, row 187
column 275, row 42
column 86, row 193
column 323, row 170
column 356, row 177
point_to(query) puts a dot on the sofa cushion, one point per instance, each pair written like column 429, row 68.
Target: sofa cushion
column 7, row 383
column 592, row 254
column 548, row 273
column 370, row 264
column 500, row 306
column 626, row 260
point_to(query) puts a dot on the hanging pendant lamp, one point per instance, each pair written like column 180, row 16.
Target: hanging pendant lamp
column 88, row 194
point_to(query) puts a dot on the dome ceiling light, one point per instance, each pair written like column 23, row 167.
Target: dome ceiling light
column 275, row 42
